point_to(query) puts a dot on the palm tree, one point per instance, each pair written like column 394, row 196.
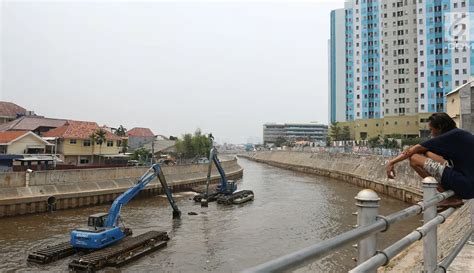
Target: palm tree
column 99, row 137
column 121, row 131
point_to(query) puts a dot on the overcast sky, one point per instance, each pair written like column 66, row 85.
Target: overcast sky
column 225, row 67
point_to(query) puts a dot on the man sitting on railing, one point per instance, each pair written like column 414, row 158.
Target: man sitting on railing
column 448, row 157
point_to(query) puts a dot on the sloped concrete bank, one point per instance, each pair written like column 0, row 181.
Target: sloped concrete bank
column 369, row 172
column 363, row 171
column 78, row 188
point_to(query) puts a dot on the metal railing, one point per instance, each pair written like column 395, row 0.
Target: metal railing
column 369, row 224
column 359, row 150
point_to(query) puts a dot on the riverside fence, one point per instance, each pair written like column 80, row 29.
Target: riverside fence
column 369, row 224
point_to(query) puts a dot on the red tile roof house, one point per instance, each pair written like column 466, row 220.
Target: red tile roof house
column 138, row 137
column 26, row 148
column 36, row 124
column 10, row 111
column 76, row 147
column 22, row 142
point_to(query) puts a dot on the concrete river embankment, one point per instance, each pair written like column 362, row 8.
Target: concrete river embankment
column 25, row 193
column 369, row 172
column 291, row 210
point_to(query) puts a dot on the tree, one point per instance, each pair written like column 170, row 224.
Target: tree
column 173, row 138
column 374, row 142
column 194, row 145
column 124, row 145
column 99, row 137
column 412, row 141
column 389, row 143
column 346, row 133
column 328, row 141
column 121, row 131
column 141, row 155
column 280, row 141
column 335, row 132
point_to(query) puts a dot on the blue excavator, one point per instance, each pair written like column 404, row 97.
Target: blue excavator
column 226, row 192
column 103, row 228
column 104, row 242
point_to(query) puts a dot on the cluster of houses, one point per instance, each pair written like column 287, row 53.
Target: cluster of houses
column 29, row 141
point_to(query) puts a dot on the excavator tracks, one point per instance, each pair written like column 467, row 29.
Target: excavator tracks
column 236, row 197
column 125, row 251
column 53, row 253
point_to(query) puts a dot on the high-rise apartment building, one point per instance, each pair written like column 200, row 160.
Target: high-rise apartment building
column 401, row 59
column 337, row 63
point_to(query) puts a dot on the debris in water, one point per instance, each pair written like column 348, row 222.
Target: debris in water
column 192, row 213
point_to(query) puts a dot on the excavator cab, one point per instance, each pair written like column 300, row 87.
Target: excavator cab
column 231, row 186
column 97, row 220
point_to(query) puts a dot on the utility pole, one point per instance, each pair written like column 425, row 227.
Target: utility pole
column 55, row 151
column 152, row 160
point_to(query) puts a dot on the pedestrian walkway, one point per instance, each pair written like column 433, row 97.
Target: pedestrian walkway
column 464, row 262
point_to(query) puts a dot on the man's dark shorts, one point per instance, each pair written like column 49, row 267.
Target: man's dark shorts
column 450, row 179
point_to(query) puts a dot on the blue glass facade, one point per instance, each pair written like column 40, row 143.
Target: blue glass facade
column 389, row 83
column 349, row 25
column 370, row 80
column 438, row 56
column 332, row 93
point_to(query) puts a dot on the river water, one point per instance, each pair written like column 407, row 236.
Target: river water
column 290, row 211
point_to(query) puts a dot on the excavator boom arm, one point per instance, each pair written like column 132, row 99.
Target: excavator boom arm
column 154, row 171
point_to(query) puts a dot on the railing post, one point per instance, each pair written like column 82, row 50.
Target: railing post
column 430, row 241
column 368, row 209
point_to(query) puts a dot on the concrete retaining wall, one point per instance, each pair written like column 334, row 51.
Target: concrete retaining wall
column 66, row 177
column 12, row 179
column 369, row 172
column 364, row 171
column 76, row 188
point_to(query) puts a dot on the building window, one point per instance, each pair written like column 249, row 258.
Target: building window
column 86, row 143
column 110, row 143
column 84, row 160
column 72, row 141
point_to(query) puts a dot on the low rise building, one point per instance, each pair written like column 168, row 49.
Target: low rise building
column 22, row 142
column 460, row 106
column 313, row 132
column 162, row 146
column 408, row 126
column 76, row 147
column 36, row 124
column 24, row 148
column 138, row 137
column 10, row 111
